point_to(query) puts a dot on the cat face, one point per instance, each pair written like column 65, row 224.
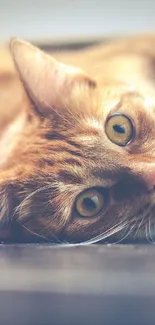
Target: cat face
column 83, row 165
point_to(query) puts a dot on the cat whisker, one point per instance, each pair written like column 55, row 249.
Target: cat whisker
column 67, row 108
column 139, row 225
column 128, row 232
column 70, row 112
column 113, row 230
column 56, row 111
column 149, row 231
column 24, row 201
column 41, row 236
column 31, row 195
column 49, row 239
column 33, row 233
column 146, row 233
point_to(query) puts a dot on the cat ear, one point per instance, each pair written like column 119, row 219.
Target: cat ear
column 45, row 80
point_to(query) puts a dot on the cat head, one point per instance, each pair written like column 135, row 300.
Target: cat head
column 82, row 166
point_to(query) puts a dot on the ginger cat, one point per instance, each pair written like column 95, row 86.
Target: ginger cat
column 77, row 140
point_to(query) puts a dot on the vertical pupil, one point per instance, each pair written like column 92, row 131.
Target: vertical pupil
column 119, row 128
column 89, row 204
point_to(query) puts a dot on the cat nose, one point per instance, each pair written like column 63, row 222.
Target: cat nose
column 147, row 174
column 150, row 181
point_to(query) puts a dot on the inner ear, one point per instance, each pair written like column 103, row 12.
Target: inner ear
column 46, row 80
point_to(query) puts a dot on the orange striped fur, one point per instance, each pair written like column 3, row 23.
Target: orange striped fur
column 54, row 145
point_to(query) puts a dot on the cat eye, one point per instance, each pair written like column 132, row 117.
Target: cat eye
column 91, row 202
column 119, row 129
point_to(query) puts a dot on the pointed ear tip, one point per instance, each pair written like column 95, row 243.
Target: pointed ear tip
column 14, row 41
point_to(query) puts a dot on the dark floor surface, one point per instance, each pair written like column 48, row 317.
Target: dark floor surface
column 95, row 285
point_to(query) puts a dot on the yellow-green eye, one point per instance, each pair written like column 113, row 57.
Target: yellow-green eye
column 119, row 129
column 91, row 202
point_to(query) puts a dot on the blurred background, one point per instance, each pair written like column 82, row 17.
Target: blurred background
column 50, row 20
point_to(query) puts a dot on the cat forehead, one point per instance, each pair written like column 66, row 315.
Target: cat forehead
column 107, row 100
column 105, row 96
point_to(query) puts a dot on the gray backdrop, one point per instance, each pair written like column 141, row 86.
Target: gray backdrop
column 74, row 18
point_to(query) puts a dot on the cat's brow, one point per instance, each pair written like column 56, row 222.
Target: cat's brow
column 68, row 176
column 118, row 173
